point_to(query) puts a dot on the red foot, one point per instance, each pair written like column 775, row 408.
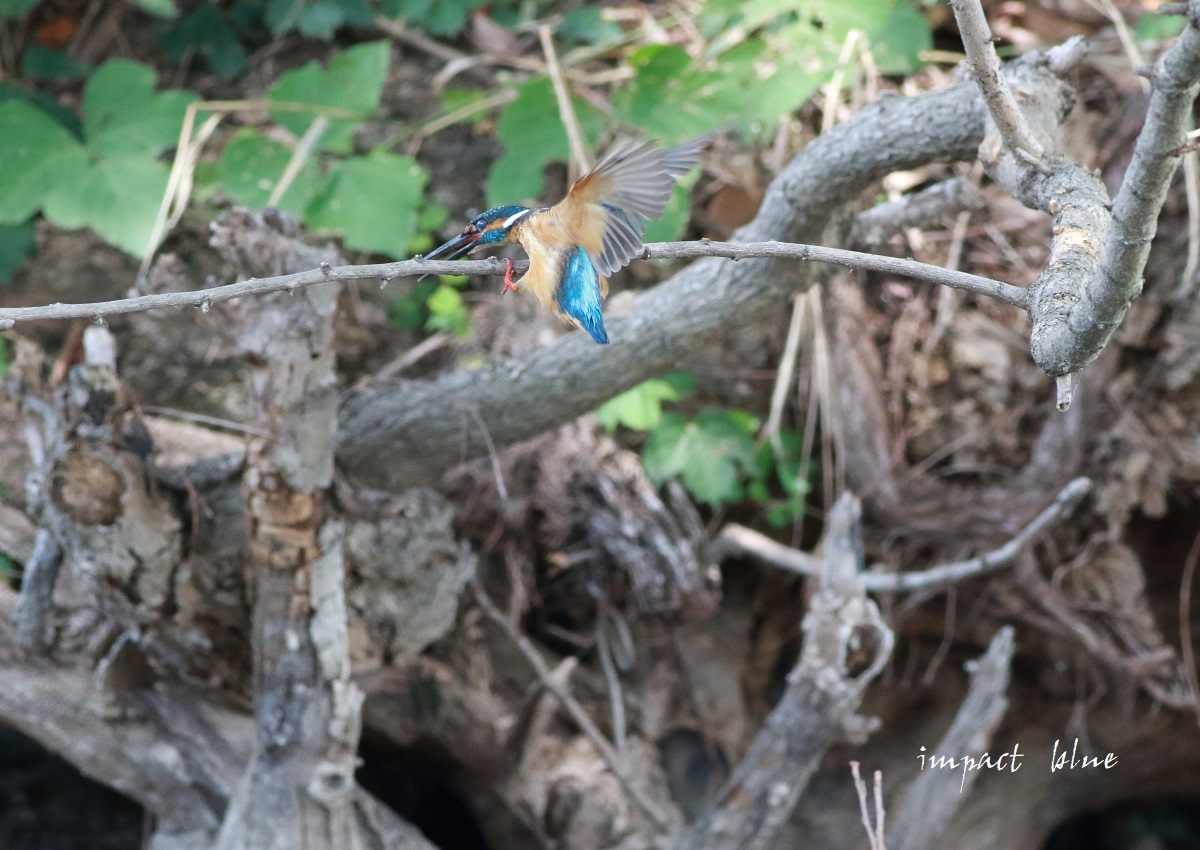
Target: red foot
column 509, row 283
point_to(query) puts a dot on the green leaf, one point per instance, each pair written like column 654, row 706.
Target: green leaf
column 124, row 116
column 158, row 8
column 372, row 201
column 711, row 454
column 411, row 310
column 17, row 241
column 445, row 299
column 533, row 136
column 250, row 166
column 447, row 311
column 639, row 409
column 37, row 154
column 1155, row 27
column 118, row 197
column 353, row 82
column 898, row 43
column 684, row 383
column 45, row 102
column 317, row 18
column 586, row 24
column 42, row 63
column 15, row 8
column 208, row 31
column 444, row 18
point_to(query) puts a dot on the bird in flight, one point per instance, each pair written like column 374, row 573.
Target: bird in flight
column 595, row 230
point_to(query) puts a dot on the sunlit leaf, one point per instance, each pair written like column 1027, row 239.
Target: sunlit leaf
column 352, row 83
column 639, row 409
column 372, row 201
column 1154, row 27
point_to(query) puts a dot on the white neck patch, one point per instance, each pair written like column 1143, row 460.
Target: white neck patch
column 514, row 218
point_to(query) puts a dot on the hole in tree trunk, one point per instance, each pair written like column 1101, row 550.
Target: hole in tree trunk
column 1164, row 824
column 421, row 784
column 47, row 804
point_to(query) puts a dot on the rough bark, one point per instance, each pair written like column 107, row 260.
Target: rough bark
column 298, row 789
column 846, row 645
column 934, row 797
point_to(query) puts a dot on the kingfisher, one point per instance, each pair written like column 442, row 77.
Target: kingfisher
column 595, row 230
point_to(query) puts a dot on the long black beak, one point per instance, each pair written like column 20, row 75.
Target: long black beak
column 455, row 248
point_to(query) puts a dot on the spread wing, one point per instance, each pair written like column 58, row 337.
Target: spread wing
column 631, row 185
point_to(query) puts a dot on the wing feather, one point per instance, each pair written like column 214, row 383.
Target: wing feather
column 630, row 185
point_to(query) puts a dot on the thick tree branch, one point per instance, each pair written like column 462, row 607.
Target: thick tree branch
column 935, row 795
column 736, row 538
column 298, row 789
column 1005, row 292
column 1089, row 320
column 1097, row 257
column 400, row 435
column 1018, row 152
column 926, row 209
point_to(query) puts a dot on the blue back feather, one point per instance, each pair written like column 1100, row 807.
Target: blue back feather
column 579, row 294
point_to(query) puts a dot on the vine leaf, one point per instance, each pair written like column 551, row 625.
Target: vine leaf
column 353, row 82
column 112, row 181
column 372, row 201
column 640, row 408
column 713, row 454
column 533, row 136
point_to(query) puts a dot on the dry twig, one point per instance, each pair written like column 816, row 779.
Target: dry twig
column 874, row 830
column 747, row 541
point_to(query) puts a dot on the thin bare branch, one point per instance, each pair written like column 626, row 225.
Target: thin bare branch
column 1005, row 292
column 875, row 829
column 1015, row 131
column 738, row 538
